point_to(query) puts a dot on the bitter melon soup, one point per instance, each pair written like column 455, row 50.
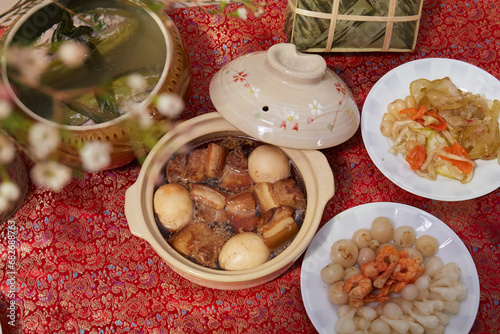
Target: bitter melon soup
column 121, row 39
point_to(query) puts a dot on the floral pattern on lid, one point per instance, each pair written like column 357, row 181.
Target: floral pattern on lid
column 286, row 98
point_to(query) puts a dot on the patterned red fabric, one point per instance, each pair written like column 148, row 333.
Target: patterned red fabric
column 79, row 269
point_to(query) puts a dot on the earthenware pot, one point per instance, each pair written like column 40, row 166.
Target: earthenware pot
column 311, row 164
column 175, row 78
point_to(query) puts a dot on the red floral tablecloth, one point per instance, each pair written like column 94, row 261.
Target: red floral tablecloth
column 79, row 270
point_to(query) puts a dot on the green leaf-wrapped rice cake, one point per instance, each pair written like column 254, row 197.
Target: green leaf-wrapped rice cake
column 353, row 25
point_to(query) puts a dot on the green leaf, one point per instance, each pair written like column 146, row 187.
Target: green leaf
column 155, row 6
column 107, row 102
column 82, row 109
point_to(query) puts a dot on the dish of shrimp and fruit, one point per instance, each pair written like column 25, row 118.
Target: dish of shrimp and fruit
column 386, row 280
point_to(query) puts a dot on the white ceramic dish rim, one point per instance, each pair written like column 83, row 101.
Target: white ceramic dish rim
column 3, row 63
column 395, row 84
column 314, row 292
column 150, row 232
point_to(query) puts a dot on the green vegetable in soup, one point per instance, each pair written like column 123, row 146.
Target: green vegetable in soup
column 111, row 28
column 106, row 102
column 120, row 39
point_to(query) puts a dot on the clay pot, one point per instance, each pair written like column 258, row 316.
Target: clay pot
column 175, row 78
column 311, row 164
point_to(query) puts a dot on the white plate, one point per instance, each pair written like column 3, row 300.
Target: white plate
column 323, row 314
column 396, row 84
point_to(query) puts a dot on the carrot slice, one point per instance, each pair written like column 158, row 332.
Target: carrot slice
column 413, row 113
column 441, row 126
column 456, row 149
column 409, row 111
column 464, row 166
column 420, row 113
column 416, row 157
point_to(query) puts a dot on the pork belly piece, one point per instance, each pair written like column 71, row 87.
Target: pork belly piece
column 187, row 167
column 237, row 159
column 207, row 214
column 278, row 227
column 242, row 212
column 196, row 163
column 264, row 196
column 207, row 195
column 282, row 192
column 234, row 180
column 288, row 193
column 235, row 177
column 198, row 242
column 176, row 171
column 216, row 160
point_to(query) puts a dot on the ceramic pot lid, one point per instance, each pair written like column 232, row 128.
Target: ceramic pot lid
column 285, row 98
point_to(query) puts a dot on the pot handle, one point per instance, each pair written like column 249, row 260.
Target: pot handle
column 133, row 212
column 324, row 177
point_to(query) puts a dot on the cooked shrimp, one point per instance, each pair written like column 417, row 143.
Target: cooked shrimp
column 356, row 302
column 398, row 286
column 388, row 254
column 373, row 269
column 387, row 289
column 358, row 286
column 406, row 269
column 380, row 281
column 372, row 297
column 403, row 253
column 420, row 272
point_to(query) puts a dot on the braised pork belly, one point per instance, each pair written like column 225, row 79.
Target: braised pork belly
column 228, row 201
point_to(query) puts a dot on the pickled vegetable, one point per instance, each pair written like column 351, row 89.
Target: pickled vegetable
column 443, row 119
column 473, row 119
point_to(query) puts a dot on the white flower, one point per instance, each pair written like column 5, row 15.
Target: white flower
column 95, row 155
column 242, row 13
column 170, row 105
column 5, row 109
column 254, row 91
column 43, row 140
column 140, row 113
column 52, row 174
column 259, row 13
column 315, row 108
column 291, row 115
column 72, row 53
column 30, row 62
column 9, row 190
column 137, row 82
column 4, row 204
column 7, row 150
